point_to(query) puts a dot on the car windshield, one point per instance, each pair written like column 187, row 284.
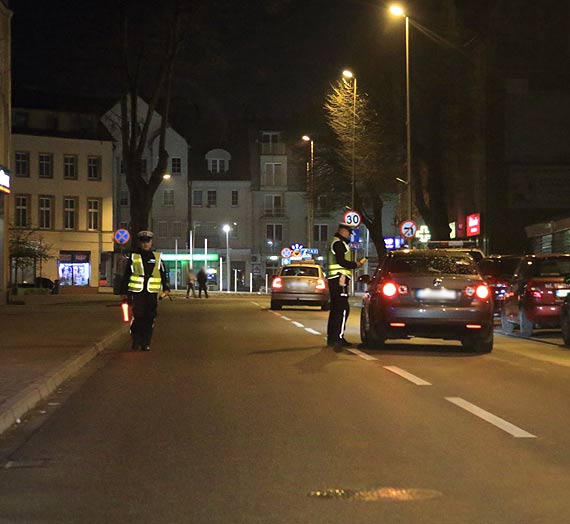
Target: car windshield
column 547, row 267
column 444, row 265
column 300, row 272
column 498, row 267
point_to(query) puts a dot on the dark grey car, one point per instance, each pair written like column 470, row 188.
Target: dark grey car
column 428, row 293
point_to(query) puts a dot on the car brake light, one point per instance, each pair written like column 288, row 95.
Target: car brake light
column 482, row 292
column 397, row 324
column 321, row 284
column 536, row 293
column 277, row 283
column 473, row 326
column 389, row 289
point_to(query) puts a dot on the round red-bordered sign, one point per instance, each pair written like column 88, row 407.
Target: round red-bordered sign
column 408, row 228
column 352, row 218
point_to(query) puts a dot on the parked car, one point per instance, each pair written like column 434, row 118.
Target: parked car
column 535, row 296
column 300, row 284
column 565, row 320
column 498, row 271
column 428, row 293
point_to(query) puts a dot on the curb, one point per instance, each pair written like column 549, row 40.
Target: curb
column 13, row 409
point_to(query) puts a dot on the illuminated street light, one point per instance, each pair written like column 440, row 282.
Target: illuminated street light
column 349, row 74
column 166, row 176
column 398, row 11
column 226, row 228
column 310, row 190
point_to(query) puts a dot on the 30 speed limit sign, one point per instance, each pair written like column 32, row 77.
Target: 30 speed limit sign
column 352, row 218
column 408, row 228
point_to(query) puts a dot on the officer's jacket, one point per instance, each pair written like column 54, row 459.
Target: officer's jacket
column 337, row 253
column 144, row 272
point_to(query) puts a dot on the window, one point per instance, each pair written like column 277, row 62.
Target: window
column 123, row 225
column 217, row 165
column 93, row 214
column 168, row 197
column 322, row 203
column 274, row 174
column 274, row 233
column 234, row 232
column 94, row 168
column 69, row 213
column 176, row 166
column 22, row 216
column 197, row 198
column 274, row 205
column 212, row 198
column 176, row 229
column 163, row 229
column 70, row 167
column 321, row 232
column 45, row 216
column 21, row 119
column 46, row 165
column 235, row 198
column 22, row 162
column 271, row 143
column 124, row 198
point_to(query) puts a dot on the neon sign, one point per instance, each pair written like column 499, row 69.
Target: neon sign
column 4, row 181
column 473, row 225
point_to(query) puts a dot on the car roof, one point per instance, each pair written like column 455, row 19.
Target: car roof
column 548, row 255
column 431, row 252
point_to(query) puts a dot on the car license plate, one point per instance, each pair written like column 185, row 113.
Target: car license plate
column 562, row 293
column 436, row 294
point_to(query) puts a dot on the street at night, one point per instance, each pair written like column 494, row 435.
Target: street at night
column 240, row 414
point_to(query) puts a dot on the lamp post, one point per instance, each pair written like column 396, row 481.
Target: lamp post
column 226, row 228
column 310, row 190
column 349, row 74
column 398, row 11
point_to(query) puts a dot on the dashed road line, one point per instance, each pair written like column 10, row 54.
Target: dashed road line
column 314, row 332
column 515, row 431
column 298, row 324
column 408, row 376
column 361, row 354
column 255, row 304
column 285, row 318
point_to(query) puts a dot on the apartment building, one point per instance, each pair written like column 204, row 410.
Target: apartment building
column 62, row 193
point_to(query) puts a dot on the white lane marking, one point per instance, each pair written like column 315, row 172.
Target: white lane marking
column 408, row 376
column 310, row 330
column 361, row 354
column 255, row 304
column 285, row 318
column 298, row 324
column 277, row 314
column 489, row 417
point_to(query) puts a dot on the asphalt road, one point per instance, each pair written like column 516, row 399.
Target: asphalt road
column 240, row 415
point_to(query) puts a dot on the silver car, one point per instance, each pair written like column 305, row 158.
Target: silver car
column 428, row 293
column 300, row 284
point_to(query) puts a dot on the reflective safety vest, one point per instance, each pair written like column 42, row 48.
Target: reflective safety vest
column 335, row 268
column 136, row 281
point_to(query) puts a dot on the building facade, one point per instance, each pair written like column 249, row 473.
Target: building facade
column 62, row 197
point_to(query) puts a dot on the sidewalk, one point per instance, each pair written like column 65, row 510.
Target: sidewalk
column 47, row 340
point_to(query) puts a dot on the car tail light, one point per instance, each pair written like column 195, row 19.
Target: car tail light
column 397, row 324
column 321, row 284
column 277, row 283
column 536, row 292
column 391, row 289
column 482, row 292
column 473, row 326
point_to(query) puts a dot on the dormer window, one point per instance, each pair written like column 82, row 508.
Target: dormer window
column 218, row 161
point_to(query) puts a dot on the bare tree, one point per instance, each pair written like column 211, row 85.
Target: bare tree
column 147, row 70
column 361, row 157
column 27, row 250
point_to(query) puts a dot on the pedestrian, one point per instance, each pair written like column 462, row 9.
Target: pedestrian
column 190, row 278
column 202, row 278
column 144, row 280
column 339, row 275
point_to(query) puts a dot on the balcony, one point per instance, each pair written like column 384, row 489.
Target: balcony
column 273, row 149
column 274, row 212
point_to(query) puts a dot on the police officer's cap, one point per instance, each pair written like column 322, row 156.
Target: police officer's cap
column 346, row 226
column 145, row 235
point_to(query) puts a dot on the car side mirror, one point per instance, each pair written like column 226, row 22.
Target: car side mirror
column 365, row 279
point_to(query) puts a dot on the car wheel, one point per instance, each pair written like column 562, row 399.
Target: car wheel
column 368, row 334
column 507, row 326
column 565, row 325
column 479, row 342
column 275, row 305
column 526, row 325
column 325, row 307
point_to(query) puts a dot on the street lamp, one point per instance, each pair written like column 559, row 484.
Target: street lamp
column 349, row 74
column 310, row 190
column 398, row 11
column 226, row 228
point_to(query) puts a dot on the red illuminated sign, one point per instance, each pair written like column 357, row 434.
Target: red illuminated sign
column 473, row 225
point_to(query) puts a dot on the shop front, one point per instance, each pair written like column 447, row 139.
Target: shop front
column 74, row 268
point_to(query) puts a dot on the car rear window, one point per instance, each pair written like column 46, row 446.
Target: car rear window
column 300, row 272
column 448, row 265
column 499, row 267
column 547, row 267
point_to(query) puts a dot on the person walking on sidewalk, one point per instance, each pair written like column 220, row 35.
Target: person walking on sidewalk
column 190, row 278
column 144, row 279
column 202, row 283
column 339, row 275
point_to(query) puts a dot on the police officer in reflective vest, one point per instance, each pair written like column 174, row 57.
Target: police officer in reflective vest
column 143, row 281
column 339, row 274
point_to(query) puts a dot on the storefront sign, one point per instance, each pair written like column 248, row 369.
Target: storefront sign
column 4, row 181
column 473, row 225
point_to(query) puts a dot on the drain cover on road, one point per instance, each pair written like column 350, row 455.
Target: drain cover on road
column 371, row 495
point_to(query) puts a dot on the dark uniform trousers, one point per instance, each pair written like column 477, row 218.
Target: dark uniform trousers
column 144, row 306
column 339, row 311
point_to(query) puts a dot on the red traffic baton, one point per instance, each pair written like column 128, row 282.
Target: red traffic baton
column 126, row 310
